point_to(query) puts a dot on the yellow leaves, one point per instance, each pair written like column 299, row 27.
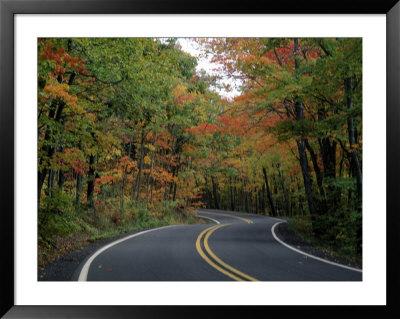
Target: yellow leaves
column 181, row 95
column 179, row 90
column 234, row 162
column 91, row 151
column 151, row 147
column 116, row 151
column 147, row 160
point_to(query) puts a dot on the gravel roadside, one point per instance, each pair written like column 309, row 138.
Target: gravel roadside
column 64, row 267
column 292, row 239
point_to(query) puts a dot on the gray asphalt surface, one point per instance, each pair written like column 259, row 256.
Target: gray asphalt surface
column 170, row 254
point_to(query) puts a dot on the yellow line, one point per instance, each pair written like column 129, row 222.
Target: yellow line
column 208, row 233
column 249, row 221
column 212, row 264
column 219, row 260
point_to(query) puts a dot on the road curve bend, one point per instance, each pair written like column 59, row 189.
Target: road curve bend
column 234, row 247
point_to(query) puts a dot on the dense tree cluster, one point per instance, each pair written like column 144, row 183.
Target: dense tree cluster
column 291, row 143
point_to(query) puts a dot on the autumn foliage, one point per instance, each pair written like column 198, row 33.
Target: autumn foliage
column 127, row 130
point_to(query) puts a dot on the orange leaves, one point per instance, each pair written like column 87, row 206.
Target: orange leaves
column 162, row 141
column 248, row 58
column 126, row 163
column 56, row 90
column 60, row 91
column 162, row 176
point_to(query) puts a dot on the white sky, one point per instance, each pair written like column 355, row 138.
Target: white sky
column 204, row 62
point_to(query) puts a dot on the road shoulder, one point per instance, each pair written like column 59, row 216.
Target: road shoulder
column 65, row 266
column 290, row 238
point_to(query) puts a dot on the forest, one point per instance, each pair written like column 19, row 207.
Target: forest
column 131, row 136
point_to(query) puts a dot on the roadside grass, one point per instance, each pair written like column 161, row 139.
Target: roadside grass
column 337, row 245
column 63, row 233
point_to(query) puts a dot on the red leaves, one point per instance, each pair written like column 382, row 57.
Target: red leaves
column 61, row 59
column 235, row 125
column 285, row 55
column 105, row 180
column 75, row 159
column 270, row 121
column 79, row 166
column 204, row 128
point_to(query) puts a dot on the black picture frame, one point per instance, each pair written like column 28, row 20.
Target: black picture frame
column 8, row 8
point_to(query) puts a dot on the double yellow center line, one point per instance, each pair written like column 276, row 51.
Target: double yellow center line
column 216, row 262
column 248, row 221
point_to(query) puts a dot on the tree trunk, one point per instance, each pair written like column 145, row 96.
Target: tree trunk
column 247, row 208
column 90, row 187
column 125, row 174
column 271, row 203
column 328, row 152
column 284, row 190
column 263, row 198
column 317, row 171
column 306, row 176
column 149, row 178
column 123, row 188
column 299, row 112
column 151, row 193
column 355, row 163
column 133, row 189
column 49, row 150
column 78, row 191
column 256, row 200
column 215, row 192
column 140, row 166
column 232, row 202
column 134, row 179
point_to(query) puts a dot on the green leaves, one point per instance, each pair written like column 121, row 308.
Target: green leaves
column 286, row 130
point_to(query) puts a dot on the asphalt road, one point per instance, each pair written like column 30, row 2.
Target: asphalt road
column 237, row 247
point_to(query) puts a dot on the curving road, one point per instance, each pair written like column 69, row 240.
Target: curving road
column 234, row 247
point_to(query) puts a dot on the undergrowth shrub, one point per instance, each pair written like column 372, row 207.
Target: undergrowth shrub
column 63, row 228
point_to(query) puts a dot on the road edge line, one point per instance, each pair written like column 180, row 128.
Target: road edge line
column 214, row 220
column 306, row 254
column 85, row 269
